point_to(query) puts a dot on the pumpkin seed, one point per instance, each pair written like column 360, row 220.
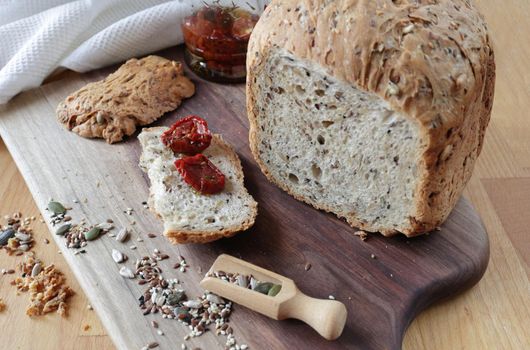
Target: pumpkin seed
column 263, row 287
column 6, row 235
column 174, row 298
column 275, row 289
column 61, row 231
column 56, row 208
column 92, row 234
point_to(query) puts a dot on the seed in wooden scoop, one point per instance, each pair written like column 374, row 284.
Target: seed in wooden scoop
column 56, row 208
column 92, row 234
column 263, row 287
column 61, row 231
column 275, row 289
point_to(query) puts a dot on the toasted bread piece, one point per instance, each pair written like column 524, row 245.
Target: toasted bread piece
column 191, row 217
column 138, row 93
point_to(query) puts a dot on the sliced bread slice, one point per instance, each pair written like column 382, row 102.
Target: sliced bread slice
column 191, row 217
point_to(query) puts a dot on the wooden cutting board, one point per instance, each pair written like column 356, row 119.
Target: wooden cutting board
column 384, row 282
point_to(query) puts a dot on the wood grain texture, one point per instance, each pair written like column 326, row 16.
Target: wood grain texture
column 494, row 314
column 383, row 282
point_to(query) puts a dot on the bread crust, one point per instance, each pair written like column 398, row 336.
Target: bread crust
column 188, row 236
column 138, row 93
column 432, row 62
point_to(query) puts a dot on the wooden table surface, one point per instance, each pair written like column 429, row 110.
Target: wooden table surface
column 493, row 314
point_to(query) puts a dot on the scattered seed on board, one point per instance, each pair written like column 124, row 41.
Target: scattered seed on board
column 126, row 272
column 160, row 332
column 122, row 235
column 105, row 226
column 56, row 208
column 93, row 233
column 152, row 345
column 37, row 268
column 118, row 256
column 362, row 235
column 331, row 297
column 154, row 324
column 62, row 230
column 373, row 256
column 307, row 267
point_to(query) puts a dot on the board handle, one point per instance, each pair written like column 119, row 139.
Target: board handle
column 327, row 317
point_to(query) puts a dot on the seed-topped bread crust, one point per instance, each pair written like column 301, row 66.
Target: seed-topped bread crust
column 431, row 61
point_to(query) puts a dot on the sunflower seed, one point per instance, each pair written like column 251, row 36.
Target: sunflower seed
column 6, row 235
column 253, row 283
column 118, row 256
column 192, row 304
column 56, row 208
column 212, row 298
column 126, row 272
column 92, row 234
column 61, row 231
column 152, row 345
column 37, row 268
column 22, row 236
column 105, row 226
column 122, row 235
column 23, row 247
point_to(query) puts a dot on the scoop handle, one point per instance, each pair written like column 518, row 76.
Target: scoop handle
column 327, row 317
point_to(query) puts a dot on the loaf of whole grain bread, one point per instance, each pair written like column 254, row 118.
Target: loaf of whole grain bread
column 373, row 110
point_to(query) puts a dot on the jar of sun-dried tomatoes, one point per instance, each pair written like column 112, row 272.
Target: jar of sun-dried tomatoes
column 216, row 39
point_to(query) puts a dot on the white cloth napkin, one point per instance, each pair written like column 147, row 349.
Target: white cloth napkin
column 38, row 36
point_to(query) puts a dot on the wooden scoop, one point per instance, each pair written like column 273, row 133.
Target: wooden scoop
column 327, row 317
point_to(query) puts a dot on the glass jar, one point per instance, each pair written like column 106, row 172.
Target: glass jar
column 216, row 39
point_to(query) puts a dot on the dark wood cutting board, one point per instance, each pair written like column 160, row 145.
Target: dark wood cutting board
column 384, row 282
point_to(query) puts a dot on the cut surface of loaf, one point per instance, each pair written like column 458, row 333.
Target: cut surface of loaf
column 191, row 217
column 335, row 146
column 373, row 110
